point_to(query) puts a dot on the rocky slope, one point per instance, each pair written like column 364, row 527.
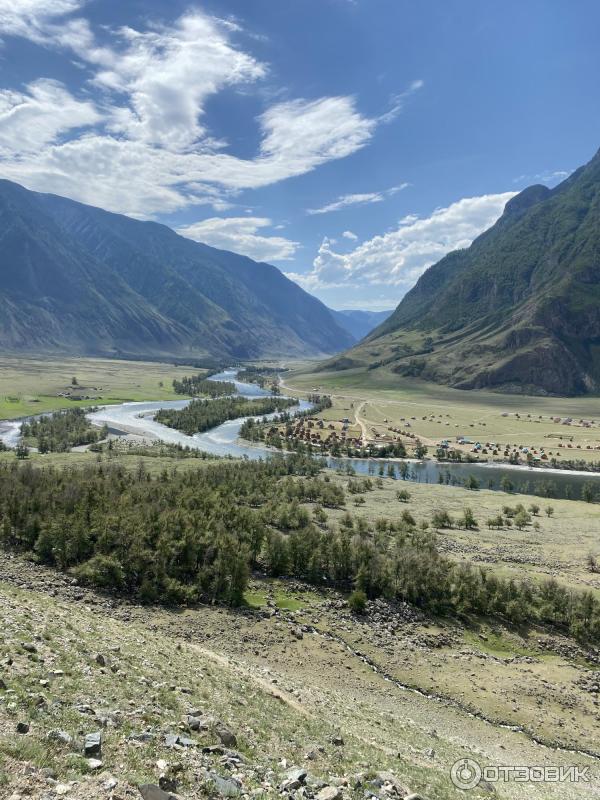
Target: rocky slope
column 519, row 310
column 102, row 698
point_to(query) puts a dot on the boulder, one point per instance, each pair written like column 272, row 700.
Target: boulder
column 227, row 737
column 92, row 745
column 150, row 791
column 330, row 793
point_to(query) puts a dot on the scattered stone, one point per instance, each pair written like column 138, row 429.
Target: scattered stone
column 100, row 660
column 2, row 686
column 388, row 779
column 22, row 727
column 329, row 793
column 62, row 737
column 167, row 783
column 93, row 744
column 228, row 738
column 94, row 764
column 226, row 787
column 29, row 647
column 150, row 791
column 337, row 740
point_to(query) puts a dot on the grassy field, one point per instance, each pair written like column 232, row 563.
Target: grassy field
column 385, row 400
column 34, row 385
column 557, row 547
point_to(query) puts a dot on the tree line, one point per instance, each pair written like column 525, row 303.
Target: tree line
column 202, row 415
column 61, row 431
column 194, row 385
column 180, row 537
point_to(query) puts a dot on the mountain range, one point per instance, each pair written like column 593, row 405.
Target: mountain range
column 517, row 311
column 360, row 323
column 77, row 279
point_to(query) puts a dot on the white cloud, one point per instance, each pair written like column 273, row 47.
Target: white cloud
column 350, row 235
column 240, row 235
column 152, row 152
column 365, row 198
column 169, row 73
column 399, row 257
column 549, row 176
column 31, row 19
column 30, row 120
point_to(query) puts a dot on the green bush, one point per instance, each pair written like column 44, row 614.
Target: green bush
column 357, row 602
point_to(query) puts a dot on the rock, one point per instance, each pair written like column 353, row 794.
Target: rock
column 294, row 778
column 93, row 744
column 94, row 764
column 329, row 793
column 226, row 787
column 62, row 789
column 296, row 774
column 2, row 686
column 150, row 791
column 29, row 647
column 144, row 736
column 48, row 772
column 167, row 783
column 314, row 783
column 62, row 737
column 100, row 660
column 226, row 736
column 337, row 740
column 171, row 739
column 389, row 779
column 22, row 727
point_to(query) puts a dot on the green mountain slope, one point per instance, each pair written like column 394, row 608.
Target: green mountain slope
column 77, row 279
column 518, row 311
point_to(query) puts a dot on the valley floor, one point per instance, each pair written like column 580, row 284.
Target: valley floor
column 375, row 705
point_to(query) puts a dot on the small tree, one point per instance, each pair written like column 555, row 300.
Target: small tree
column 468, row 520
column 522, row 519
column 534, row 509
column 549, row 511
column 471, row 483
column 74, row 381
column 506, row 484
column 357, row 602
column 403, row 495
column 22, row 451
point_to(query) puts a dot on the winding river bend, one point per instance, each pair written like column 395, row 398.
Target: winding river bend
column 138, row 419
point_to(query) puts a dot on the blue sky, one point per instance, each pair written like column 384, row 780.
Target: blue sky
column 350, row 142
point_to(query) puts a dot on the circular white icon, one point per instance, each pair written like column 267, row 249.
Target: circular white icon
column 465, row 773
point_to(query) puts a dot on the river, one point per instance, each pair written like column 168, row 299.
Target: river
column 138, row 418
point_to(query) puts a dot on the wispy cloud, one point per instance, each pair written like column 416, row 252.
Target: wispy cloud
column 240, row 234
column 551, row 177
column 398, row 101
column 359, row 199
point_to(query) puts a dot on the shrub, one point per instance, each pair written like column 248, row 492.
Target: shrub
column 357, row 602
